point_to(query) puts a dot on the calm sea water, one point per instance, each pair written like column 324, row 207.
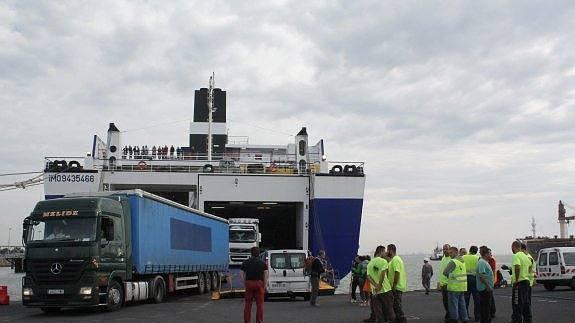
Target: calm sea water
column 412, row 263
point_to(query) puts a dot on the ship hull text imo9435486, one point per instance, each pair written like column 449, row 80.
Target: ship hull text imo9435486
column 290, row 196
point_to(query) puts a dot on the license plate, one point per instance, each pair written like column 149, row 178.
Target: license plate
column 55, row 291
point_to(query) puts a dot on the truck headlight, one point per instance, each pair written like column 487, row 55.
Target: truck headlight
column 85, row 290
column 27, row 291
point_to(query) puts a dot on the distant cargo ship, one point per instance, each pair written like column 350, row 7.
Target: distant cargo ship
column 302, row 200
column 535, row 243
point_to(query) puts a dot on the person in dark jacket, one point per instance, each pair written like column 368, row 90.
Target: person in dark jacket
column 255, row 275
column 314, row 276
column 355, row 277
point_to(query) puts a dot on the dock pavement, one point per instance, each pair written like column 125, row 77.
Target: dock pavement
column 548, row 306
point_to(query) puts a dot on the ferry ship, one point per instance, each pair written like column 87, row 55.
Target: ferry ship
column 302, row 199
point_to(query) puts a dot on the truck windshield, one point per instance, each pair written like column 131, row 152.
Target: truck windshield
column 55, row 230
column 242, row 235
column 569, row 258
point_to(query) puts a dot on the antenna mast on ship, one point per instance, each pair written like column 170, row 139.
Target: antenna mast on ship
column 210, row 111
column 533, row 226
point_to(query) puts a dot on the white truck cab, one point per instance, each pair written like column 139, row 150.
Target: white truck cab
column 556, row 267
column 286, row 273
column 244, row 234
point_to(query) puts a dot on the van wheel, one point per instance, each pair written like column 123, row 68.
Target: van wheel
column 572, row 283
column 159, row 290
column 115, row 296
column 549, row 286
column 50, row 310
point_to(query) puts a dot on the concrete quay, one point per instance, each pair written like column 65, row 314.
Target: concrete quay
column 548, row 306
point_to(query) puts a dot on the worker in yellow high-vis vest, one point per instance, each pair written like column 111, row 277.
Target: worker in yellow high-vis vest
column 398, row 282
column 456, row 287
column 442, row 279
column 470, row 260
column 521, row 293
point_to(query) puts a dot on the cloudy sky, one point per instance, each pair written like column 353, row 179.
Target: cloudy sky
column 462, row 110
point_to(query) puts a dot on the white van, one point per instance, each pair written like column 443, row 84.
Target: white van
column 286, row 273
column 556, row 267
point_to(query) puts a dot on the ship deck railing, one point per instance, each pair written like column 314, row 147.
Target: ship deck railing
column 278, row 165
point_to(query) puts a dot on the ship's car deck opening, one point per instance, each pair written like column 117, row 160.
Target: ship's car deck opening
column 278, row 221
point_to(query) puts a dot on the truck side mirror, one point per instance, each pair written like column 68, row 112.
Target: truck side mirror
column 259, row 237
column 25, row 225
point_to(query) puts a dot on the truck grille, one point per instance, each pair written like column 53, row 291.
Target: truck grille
column 47, row 271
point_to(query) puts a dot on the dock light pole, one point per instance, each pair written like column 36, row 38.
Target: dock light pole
column 9, row 233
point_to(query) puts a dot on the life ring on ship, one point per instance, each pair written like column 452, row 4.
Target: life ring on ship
column 350, row 169
column 336, row 170
column 208, row 168
column 74, row 164
column 142, row 165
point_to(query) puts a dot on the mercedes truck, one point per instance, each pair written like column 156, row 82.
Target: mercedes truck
column 106, row 249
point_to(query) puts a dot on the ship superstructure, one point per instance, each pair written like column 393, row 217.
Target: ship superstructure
column 301, row 199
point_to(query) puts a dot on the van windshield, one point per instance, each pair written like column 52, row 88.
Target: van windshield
column 56, row 230
column 287, row 260
column 569, row 258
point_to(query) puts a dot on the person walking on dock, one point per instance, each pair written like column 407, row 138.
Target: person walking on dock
column 521, row 297
column 426, row 274
column 377, row 272
column 456, row 287
column 484, row 284
column 442, row 279
column 355, row 277
column 314, row 276
column 255, row 275
column 398, row 282
column 470, row 259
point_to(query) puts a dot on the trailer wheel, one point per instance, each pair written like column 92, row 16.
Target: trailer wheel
column 208, row 283
column 115, row 296
column 215, row 281
column 159, row 289
column 201, row 283
column 50, row 310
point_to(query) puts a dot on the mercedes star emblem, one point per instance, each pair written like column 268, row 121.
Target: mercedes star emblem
column 56, row 268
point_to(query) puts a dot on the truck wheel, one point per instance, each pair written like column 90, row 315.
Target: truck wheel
column 115, row 296
column 159, row 289
column 306, row 297
column 549, row 286
column 50, row 310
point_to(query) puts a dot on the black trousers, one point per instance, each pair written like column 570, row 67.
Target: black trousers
column 384, row 307
column 354, row 285
column 493, row 308
column 398, row 306
column 521, row 302
column 485, row 298
column 445, row 301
